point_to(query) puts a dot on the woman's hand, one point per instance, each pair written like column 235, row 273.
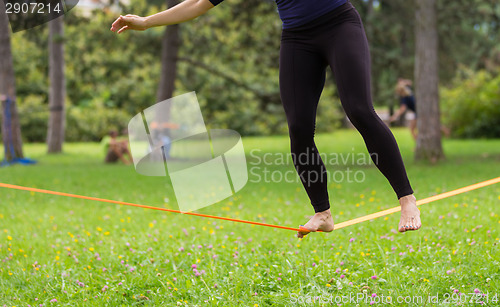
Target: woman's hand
column 129, row 22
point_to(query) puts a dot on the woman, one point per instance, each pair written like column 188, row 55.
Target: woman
column 317, row 34
column 406, row 102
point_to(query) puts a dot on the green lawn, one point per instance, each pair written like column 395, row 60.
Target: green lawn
column 58, row 251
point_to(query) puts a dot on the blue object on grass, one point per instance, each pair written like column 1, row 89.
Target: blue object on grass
column 10, row 141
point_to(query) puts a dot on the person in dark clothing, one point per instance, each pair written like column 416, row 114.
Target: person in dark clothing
column 406, row 102
column 317, row 34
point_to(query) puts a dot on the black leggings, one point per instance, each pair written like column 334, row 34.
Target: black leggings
column 338, row 40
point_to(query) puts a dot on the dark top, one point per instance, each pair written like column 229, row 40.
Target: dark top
column 409, row 102
column 295, row 13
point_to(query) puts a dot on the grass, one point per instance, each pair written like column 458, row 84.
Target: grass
column 57, row 251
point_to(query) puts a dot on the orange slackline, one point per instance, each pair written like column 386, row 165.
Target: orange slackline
column 11, row 186
column 337, row 226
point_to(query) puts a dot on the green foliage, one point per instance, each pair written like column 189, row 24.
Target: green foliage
column 88, row 124
column 34, row 118
column 469, row 34
column 108, row 79
column 471, row 108
column 82, row 123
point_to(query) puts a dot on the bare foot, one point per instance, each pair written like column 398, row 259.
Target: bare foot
column 320, row 221
column 410, row 215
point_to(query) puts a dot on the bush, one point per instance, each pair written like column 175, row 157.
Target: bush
column 82, row 123
column 89, row 124
column 471, row 109
column 34, row 118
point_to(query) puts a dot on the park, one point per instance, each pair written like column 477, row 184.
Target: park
column 81, row 224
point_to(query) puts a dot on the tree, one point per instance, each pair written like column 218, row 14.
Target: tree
column 57, row 91
column 170, row 52
column 429, row 145
column 11, row 131
column 169, row 57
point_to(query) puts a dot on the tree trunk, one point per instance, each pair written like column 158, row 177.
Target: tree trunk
column 57, row 92
column 11, row 129
column 169, row 57
column 426, row 80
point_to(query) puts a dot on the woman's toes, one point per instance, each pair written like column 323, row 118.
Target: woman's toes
column 415, row 225
column 410, row 225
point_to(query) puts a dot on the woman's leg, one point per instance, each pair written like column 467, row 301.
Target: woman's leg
column 302, row 77
column 413, row 128
column 349, row 57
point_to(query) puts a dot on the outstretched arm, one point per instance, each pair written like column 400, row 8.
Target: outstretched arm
column 398, row 113
column 184, row 11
